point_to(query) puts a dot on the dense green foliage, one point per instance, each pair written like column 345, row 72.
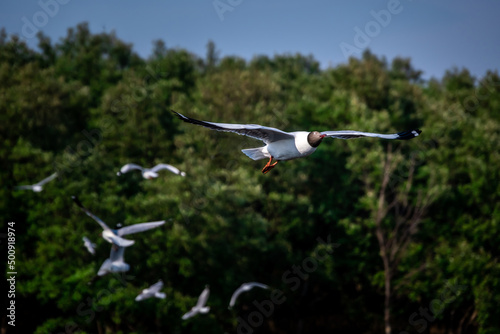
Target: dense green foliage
column 416, row 219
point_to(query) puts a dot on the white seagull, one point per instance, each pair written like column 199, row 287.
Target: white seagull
column 243, row 288
column 115, row 263
column 152, row 291
column 150, row 173
column 115, row 236
column 37, row 187
column 281, row 145
column 89, row 245
column 200, row 305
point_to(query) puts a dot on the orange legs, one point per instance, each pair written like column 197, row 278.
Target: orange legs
column 268, row 166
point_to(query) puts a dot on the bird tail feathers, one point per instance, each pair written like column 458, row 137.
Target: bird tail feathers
column 256, row 153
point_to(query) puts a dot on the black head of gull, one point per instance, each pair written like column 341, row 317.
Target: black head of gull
column 314, row 138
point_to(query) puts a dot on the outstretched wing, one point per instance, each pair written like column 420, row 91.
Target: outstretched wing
column 128, row 167
column 171, row 168
column 97, row 219
column 245, row 287
column 348, row 134
column 24, row 187
column 119, row 241
column 104, row 269
column 236, row 294
column 138, row 228
column 202, row 300
column 156, row 287
column 117, row 253
column 47, row 179
column 141, row 296
column 189, row 314
column 264, row 133
column 257, row 285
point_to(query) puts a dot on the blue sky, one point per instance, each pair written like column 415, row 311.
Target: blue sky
column 436, row 35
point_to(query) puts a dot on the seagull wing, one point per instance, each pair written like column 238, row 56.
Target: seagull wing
column 128, row 167
column 264, row 133
column 97, row 219
column 202, row 300
column 166, row 166
column 257, row 285
column 156, row 287
column 117, row 253
column 140, row 297
column 47, row 179
column 160, row 295
column 348, row 134
column 138, row 228
column 189, row 314
column 104, row 269
column 119, row 241
column 236, row 294
column 245, row 287
column 30, row 187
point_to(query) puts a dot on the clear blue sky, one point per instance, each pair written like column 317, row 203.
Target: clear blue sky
column 436, row 35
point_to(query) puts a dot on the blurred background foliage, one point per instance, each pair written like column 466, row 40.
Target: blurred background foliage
column 407, row 221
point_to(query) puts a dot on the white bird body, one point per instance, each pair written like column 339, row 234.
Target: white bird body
column 37, row 187
column 115, row 263
column 152, row 291
column 115, row 236
column 200, row 305
column 293, row 148
column 150, row 173
column 281, row 145
column 243, row 288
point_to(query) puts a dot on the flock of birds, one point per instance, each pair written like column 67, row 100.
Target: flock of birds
column 279, row 146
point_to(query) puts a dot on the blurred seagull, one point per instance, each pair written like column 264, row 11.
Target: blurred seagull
column 200, row 305
column 37, row 187
column 89, row 245
column 152, row 291
column 282, row 145
column 115, row 236
column 243, row 288
column 150, row 173
column 115, row 263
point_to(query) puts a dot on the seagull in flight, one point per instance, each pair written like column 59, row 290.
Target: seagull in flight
column 281, row 145
column 152, row 291
column 150, row 173
column 200, row 305
column 243, row 288
column 115, row 236
column 115, row 263
column 37, row 187
column 89, row 245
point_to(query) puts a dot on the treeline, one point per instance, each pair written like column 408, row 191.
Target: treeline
column 363, row 236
